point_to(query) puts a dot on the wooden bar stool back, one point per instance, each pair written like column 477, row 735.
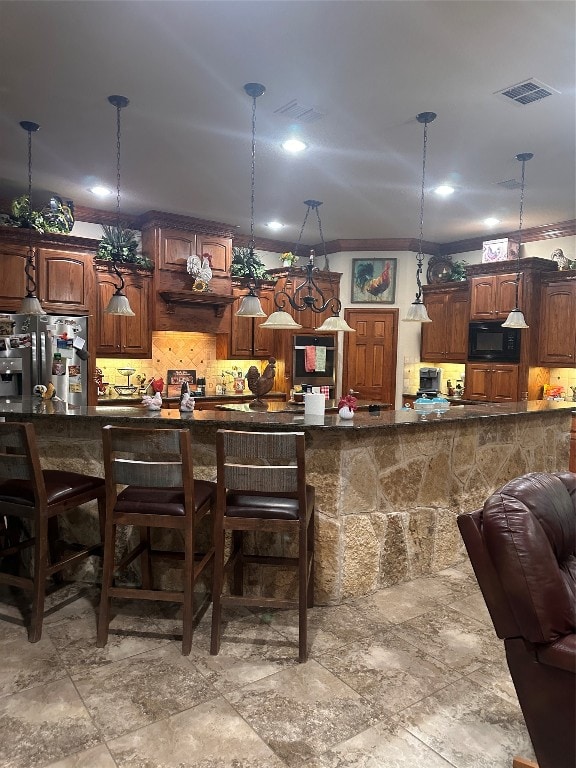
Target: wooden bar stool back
column 157, row 469
column 262, row 488
column 40, row 497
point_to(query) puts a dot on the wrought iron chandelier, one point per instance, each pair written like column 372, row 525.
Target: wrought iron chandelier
column 417, row 312
column 30, row 303
column 307, row 295
column 516, row 317
column 118, row 304
column 250, row 305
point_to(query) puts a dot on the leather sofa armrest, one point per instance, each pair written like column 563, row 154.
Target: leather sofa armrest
column 560, row 654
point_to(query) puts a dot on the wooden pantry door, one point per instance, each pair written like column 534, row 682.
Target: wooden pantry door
column 370, row 354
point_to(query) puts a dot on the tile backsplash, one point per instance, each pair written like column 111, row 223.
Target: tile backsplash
column 173, row 350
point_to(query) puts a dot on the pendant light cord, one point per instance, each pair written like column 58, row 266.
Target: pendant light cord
column 523, row 157
column 423, row 117
column 119, row 102
column 30, row 267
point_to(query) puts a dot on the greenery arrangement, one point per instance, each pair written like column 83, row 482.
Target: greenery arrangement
column 241, row 265
column 121, row 245
column 458, row 271
column 56, row 217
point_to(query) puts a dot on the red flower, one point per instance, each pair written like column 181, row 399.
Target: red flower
column 349, row 401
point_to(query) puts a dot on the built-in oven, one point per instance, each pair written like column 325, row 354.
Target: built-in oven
column 490, row 341
column 314, row 361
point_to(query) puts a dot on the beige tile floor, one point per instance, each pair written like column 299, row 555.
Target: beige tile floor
column 410, row 676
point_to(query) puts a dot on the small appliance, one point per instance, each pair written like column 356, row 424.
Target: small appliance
column 489, row 340
column 430, row 381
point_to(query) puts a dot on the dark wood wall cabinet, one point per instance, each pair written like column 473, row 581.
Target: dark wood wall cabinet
column 247, row 338
column 557, row 342
column 493, row 297
column 445, row 339
column 492, row 382
column 123, row 336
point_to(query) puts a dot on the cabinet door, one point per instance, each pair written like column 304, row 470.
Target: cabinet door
column 433, row 344
column 263, row 338
column 108, row 332
column 65, row 280
column 457, row 314
column 557, row 343
column 241, row 329
column 504, row 383
column 13, row 283
column 505, row 292
column 135, row 332
column 219, row 248
column 175, row 246
column 477, row 381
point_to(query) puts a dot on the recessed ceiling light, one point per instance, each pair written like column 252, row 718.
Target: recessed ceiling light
column 294, row 145
column 275, row 225
column 444, row 190
column 491, row 221
column 100, row 191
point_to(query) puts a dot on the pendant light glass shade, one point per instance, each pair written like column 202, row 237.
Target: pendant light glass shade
column 417, row 312
column 250, row 307
column 336, row 323
column 31, row 306
column 280, row 321
column 516, row 317
column 515, row 320
column 30, row 303
column 118, row 304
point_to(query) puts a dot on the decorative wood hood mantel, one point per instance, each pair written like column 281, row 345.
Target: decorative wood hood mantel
column 196, row 299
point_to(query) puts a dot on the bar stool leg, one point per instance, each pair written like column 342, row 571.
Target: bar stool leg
column 146, row 558
column 39, row 586
column 217, row 584
column 107, row 576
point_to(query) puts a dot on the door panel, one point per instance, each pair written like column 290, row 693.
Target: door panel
column 370, row 354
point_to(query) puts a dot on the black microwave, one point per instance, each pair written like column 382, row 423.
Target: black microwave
column 490, row 341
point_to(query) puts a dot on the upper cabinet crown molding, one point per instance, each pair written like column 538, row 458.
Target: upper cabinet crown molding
column 155, row 219
column 60, row 241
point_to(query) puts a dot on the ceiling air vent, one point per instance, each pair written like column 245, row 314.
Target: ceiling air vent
column 294, row 111
column 527, row 92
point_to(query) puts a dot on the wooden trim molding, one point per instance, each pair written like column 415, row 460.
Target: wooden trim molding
column 19, row 236
column 187, row 223
column 530, row 235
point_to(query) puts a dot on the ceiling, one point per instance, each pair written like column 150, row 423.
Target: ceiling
column 368, row 68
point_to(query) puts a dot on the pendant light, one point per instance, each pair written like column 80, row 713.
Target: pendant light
column 516, row 317
column 250, row 305
column 417, row 312
column 118, row 304
column 30, row 304
column 307, row 295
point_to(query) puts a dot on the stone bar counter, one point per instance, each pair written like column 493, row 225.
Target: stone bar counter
column 389, row 484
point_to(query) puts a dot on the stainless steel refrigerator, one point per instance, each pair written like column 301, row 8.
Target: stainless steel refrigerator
column 44, row 350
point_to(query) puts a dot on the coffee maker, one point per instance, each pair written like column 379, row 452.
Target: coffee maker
column 430, row 382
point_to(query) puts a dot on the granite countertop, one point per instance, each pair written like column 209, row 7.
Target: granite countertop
column 137, row 399
column 292, row 407
column 287, row 419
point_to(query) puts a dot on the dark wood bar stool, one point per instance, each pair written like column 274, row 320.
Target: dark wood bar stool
column 39, row 496
column 262, row 488
column 156, row 466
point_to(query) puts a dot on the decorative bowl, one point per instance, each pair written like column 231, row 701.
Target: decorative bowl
column 126, row 371
column 125, row 390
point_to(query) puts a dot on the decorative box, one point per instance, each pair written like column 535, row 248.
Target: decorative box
column 499, row 250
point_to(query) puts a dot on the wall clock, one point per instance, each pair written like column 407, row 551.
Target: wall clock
column 439, row 269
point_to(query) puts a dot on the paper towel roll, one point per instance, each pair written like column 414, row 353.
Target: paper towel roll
column 314, row 404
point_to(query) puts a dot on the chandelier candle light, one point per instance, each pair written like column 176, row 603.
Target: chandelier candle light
column 308, row 294
column 118, row 304
column 516, row 317
column 30, row 304
column 250, row 305
column 417, row 312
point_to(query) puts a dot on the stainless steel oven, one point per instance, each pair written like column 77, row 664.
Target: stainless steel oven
column 314, row 361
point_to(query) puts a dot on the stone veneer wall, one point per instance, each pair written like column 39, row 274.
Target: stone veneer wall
column 387, row 499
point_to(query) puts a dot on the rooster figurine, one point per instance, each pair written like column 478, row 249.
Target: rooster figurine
column 200, row 267
column 186, row 399
column 260, row 385
column 153, row 403
column 366, row 281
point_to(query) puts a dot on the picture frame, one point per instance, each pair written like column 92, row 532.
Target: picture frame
column 374, row 281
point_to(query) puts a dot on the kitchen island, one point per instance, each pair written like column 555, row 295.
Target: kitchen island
column 389, row 484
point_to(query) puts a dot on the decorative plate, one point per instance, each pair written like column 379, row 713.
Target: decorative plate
column 439, row 269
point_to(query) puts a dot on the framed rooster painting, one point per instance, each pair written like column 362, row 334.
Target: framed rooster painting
column 373, row 281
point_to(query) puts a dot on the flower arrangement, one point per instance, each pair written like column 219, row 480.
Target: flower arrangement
column 121, row 245
column 347, row 406
column 288, row 259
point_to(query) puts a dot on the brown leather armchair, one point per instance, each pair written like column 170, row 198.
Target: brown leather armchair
column 522, row 546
